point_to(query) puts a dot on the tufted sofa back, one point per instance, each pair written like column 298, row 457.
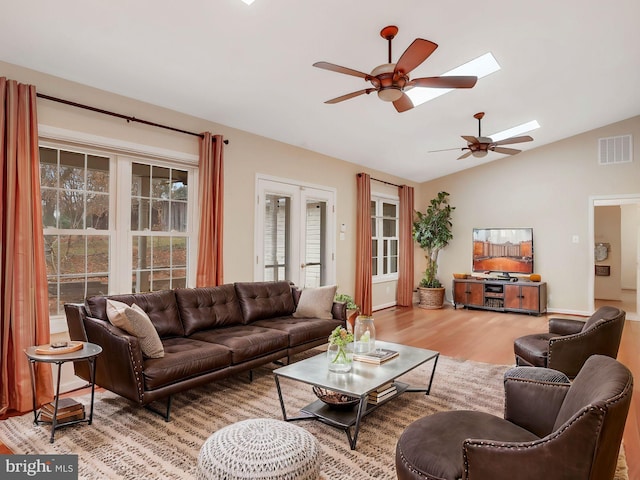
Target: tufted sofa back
column 260, row 300
column 208, row 307
column 161, row 307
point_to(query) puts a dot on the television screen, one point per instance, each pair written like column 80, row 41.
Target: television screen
column 508, row 250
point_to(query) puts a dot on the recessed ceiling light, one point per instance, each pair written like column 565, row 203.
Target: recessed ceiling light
column 248, row 2
column 514, row 131
column 479, row 67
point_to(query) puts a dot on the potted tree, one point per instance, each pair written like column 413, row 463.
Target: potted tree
column 432, row 231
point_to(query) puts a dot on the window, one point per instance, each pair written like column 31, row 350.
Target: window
column 75, row 215
column 113, row 224
column 159, row 225
column 384, row 238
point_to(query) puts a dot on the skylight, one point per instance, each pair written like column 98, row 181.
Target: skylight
column 514, row 131
column 479, row 67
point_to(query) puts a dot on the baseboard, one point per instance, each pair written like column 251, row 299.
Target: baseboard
column 384, row 305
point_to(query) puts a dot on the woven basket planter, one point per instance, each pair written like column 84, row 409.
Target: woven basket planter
column 431, row 298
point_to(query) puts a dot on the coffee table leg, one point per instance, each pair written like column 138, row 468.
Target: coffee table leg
column 361, row 409
column 284, row 411
column 433, row 372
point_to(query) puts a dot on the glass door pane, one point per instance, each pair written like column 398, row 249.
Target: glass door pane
column 277, row 237
column 314, row 248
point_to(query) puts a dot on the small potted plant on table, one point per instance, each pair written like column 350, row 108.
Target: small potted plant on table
column 432, row 231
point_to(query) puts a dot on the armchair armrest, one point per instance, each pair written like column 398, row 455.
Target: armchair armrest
column 495, row 460
column 533, row 403
column 568, row 353
column 565, row 326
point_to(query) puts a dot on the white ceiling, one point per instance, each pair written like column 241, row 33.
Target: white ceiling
column 573, row 65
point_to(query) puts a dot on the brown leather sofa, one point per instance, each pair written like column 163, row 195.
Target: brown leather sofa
column 207, row 333
column 550, row 431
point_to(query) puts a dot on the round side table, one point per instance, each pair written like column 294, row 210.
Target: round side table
column 88, row 352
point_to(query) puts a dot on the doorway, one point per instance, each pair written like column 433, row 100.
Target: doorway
column 615, row 265
column 295, row 240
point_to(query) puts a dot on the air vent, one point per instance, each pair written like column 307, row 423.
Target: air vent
column 615, row 150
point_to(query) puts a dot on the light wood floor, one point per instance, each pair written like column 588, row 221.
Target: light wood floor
column 488, row 337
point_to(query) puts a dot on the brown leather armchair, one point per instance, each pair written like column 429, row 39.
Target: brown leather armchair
column 550, row 431
column 570, row 342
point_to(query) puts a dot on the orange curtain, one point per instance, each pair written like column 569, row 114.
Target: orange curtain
column 23, row 284
column 362, row 295
column 211, row 172
column 405, row 260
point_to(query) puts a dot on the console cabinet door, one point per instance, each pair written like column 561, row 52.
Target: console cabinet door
column 522, row 298
column 468, row 293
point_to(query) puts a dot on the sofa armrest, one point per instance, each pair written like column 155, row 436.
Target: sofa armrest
column 119, row 366
column 339, row 311
column 565, row 326
column 533, row 403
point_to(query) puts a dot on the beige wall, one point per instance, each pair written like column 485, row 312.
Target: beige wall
column 549, row 189
column 246, row 156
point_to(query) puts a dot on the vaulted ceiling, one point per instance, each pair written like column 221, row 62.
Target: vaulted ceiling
column 572, row 65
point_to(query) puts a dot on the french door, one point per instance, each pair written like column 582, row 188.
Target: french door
column 295, row 239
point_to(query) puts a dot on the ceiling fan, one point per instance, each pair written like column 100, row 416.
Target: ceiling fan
column 390, row 80
column 479, row 146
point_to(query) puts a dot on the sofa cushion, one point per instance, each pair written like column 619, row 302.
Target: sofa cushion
column 301, row 330
column 260, row 300
column 246, row 342
column 208, row 307
column 134, row 321
column 161, row 307
column 184, row 358
column 316, row 302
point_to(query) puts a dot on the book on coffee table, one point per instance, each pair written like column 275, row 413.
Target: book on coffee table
column 377, row 357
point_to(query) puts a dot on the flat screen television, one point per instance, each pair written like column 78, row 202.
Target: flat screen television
column 503, row 250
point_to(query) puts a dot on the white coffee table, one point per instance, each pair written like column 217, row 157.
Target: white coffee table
column 363, row 379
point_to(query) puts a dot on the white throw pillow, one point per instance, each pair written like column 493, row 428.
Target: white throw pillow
column 134, row 320
column 316, row 302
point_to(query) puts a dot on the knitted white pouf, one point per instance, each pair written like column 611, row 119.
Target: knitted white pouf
column 260, row 448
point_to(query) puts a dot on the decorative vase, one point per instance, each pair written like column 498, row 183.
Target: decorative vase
column 364, row 334
column 340, row 357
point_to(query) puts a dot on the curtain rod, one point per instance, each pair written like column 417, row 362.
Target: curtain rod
column 384, row 181
column 124, row 117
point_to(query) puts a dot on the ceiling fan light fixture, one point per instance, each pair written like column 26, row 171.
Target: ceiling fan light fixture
column 390, row 94
column 479, row 153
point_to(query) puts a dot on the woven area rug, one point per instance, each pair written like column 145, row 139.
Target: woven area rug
column 126, row 441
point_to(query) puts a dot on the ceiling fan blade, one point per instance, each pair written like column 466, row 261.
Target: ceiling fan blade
column 339, row 69
column 415, row 54
column 470, row 139
column 350, row 95
column 506, row 151
column 445, row 150
column 507, row 141
column 452, row 81
column 403, row 104
column 464, row 155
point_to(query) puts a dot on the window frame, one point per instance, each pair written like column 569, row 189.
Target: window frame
column 122, row 154
column 379, row 199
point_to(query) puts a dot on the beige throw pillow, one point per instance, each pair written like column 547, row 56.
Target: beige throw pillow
column 133, row 320
column 316, row 302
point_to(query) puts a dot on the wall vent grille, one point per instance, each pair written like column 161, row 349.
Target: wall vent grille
column 615, row 150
